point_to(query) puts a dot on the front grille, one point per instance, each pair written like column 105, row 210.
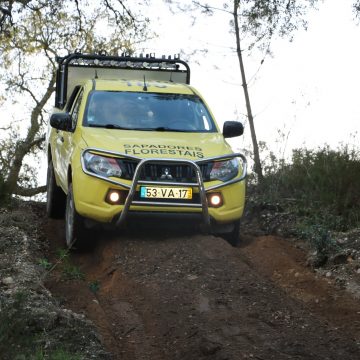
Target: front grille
column 180, row 173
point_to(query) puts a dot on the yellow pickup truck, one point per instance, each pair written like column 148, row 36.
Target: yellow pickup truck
column 130, row 138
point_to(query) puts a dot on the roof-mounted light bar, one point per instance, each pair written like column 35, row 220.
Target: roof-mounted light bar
column 125, row 64
column 74, row 69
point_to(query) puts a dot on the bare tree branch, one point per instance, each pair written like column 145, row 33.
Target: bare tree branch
column 22, row 87
column 79, row 14
column 116, row 13
column 29, row 192
column 5, row 128
column 6, row 12
column 209, row 9
column 37, row 142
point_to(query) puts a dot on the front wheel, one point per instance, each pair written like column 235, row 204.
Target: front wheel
column 76, row 234
column 233, row 236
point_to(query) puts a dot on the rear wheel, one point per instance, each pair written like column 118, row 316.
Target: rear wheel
column 55, row 197
column 76, row 234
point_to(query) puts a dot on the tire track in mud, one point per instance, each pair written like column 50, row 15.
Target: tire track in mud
column 178, row 295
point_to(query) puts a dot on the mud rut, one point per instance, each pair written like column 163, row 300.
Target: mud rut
column 178, row 295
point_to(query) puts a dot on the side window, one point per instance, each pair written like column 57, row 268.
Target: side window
column 72, row 98
column 75, row 109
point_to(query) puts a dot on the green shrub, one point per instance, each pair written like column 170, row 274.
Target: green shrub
column 59, row 354
column 20, row 337
column 319, row 237
column 16, row 337
column 322, row 183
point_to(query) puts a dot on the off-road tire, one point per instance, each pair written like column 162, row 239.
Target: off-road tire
column 77, row 236
column 55, row 197
column 233, row 237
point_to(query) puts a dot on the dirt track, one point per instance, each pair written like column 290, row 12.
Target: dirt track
column 179, row 295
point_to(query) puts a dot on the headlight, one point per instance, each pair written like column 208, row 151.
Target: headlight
column 224, row 170
column 102, row 165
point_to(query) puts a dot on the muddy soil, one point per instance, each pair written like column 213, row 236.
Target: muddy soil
column 32, row 324
column 174, row 294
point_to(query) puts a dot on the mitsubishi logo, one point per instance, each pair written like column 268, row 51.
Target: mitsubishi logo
column 166, row 174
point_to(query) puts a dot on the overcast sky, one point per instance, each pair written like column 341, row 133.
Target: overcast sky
column 309, row 89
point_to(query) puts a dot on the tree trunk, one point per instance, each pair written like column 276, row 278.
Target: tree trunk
column 23, row 147
column 257, row 168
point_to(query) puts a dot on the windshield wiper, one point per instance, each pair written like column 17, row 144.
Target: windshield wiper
column 163, row 128
column 109, row 126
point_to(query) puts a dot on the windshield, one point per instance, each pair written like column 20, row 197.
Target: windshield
column 147, row 111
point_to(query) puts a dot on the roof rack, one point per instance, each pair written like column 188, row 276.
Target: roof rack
column 74, row 69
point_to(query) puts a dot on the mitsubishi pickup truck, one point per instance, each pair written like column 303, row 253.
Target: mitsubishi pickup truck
column 129, row 138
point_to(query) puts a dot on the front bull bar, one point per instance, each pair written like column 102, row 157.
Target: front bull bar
column 203, row 204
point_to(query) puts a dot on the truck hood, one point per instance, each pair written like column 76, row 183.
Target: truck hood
column 160, row 144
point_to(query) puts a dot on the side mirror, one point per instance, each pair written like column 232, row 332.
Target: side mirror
column 61, row 121
column 232, row 129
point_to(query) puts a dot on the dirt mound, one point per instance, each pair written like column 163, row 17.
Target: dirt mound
column 176, row 295
column 32, row 324
column 160, row 292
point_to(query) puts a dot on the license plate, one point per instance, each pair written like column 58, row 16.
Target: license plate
column 165, row 192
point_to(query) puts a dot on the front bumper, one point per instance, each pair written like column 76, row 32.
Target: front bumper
column 233, row 192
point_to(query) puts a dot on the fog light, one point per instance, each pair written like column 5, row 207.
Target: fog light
column 113, row 197
column 215, row 199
